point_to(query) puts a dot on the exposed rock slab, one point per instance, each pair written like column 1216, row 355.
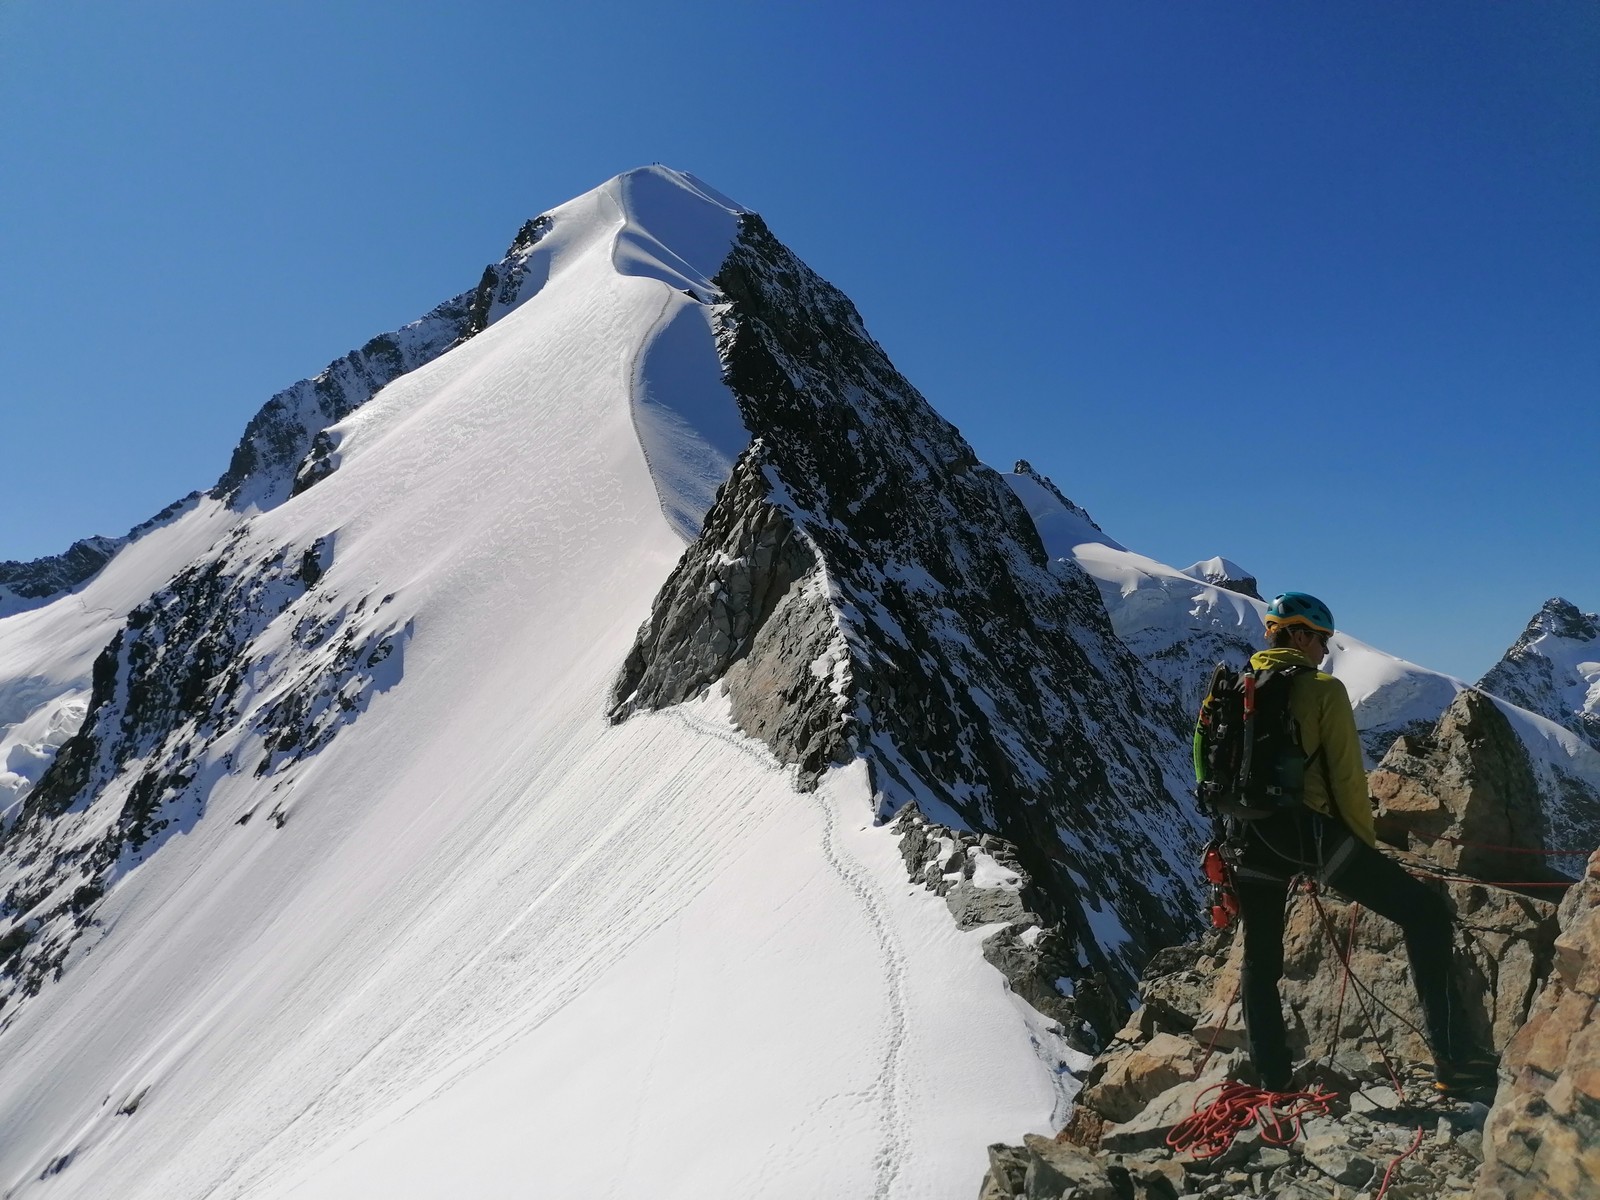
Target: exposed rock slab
column 1543, row 1138
column 748, row 604
column 1465, row 794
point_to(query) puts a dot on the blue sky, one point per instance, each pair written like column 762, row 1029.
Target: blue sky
column 1316, row 287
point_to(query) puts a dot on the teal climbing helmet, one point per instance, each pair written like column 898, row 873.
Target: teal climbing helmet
column 1298, row 608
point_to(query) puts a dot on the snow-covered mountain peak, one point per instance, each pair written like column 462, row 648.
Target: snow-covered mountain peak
column 1560, row 618
column 1224, row 573
column 316, row 825
column 1553, row 668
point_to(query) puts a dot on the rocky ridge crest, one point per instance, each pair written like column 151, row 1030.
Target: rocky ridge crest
column 287, row 446
column 1464, row 793
column 926, row 630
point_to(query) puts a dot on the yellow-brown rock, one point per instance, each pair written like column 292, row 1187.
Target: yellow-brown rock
column 1543, row 1136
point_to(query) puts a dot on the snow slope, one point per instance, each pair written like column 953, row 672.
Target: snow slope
column 482, row 942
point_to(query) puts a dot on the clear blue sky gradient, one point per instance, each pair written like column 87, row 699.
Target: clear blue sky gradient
column 1313, row 286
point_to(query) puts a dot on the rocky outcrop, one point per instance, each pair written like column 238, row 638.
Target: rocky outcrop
column 1543, row 1138
column 747, row 604
column 59, row 572
column 915, row 621
column 25, row 585
column 1186, row 1038
column 1465, row 793
column 176, row 704
column 981, row 879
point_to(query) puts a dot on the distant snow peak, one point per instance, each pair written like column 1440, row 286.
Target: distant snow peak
column 1553, row 669
column 1062, row 524
column 1224, row 573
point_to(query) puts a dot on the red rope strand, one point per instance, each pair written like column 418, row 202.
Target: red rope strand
column 1344, row 983
column 1327, row 925
column 1415, row 1142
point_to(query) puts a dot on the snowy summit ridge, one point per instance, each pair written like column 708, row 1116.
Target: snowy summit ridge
column 321, row 843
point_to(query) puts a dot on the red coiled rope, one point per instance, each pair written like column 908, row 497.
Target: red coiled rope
column 1209, row 1131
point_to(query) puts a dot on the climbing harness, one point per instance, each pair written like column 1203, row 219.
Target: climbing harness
column 1223, row 901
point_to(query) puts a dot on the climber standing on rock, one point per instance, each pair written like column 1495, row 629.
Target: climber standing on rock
column 1306, row 812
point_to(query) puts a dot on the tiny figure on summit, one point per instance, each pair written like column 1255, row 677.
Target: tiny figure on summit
column 1279, row 765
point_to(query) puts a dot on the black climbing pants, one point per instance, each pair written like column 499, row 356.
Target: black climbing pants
column 1295, row 842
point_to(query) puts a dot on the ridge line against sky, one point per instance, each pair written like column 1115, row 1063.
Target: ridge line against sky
column 1312, row 289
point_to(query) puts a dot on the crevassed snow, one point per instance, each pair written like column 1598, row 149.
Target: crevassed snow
column 498, row 946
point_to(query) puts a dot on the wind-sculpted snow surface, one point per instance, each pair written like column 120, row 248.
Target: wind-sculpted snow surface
column 970, row 674
column 287, row 448
column 339, row 881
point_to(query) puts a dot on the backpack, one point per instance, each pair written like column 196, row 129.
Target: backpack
column 1247, row 756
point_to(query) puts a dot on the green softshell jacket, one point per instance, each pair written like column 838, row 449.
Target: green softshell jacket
column 1336, row 779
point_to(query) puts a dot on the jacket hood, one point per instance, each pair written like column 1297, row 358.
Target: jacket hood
column 1282, row 656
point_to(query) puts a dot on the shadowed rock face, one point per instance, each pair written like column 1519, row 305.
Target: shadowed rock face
column 25, row 585
column 865, row 587
column 1543, row 1138
column 747, row 603
column 1468, row 779
column 59, row 572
